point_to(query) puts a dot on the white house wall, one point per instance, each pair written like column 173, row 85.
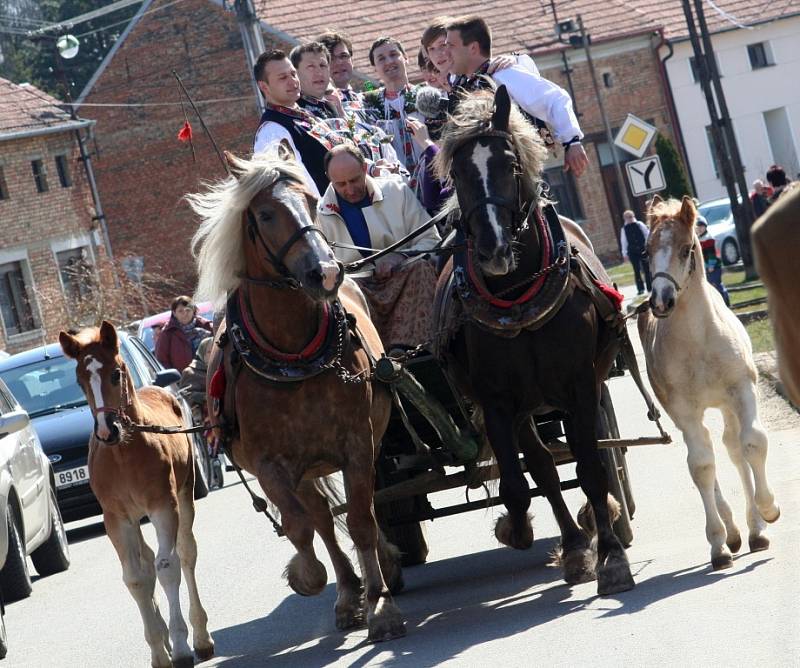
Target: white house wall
column 749, row 93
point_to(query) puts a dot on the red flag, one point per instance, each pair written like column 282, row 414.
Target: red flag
column 186, row 132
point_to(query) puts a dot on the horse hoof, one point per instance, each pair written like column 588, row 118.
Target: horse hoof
column 204, row 653
column 759, row 543
column 771, row 514
column 306, row 577
column 579, row 566
column 721, row 562
column 734, row 542
column 614, row 576
column 386, row 623
column 349, row 617
column 510, row 533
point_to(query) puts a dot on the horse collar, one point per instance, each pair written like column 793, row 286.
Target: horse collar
column 275, row 366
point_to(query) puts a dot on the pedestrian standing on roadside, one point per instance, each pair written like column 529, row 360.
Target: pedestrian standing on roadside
column 711, row 258
column 633, row 243
column 179, row 340
column 759, row 198
column 776, row 175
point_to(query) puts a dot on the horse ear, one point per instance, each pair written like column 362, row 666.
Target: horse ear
column 656, row 200
column 502, row 109
column 69, row 344
column 108, row 336
column 688, row 212
column 231, row 161
column 285, row 151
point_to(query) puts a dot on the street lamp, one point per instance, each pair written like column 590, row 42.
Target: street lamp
column 68, row 46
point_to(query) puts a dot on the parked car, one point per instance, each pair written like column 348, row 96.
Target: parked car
column 30, row 521
column 44, row 381
column 150, row 326
column 721, row 227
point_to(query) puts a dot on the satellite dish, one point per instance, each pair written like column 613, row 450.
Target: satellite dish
column 68, row 46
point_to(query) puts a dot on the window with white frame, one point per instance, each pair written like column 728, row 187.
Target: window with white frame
column 15, row 304
column 760, row 55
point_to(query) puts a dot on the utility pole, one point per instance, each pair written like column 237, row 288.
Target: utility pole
column 623, row 189
column 725, row 145
column 252, row 40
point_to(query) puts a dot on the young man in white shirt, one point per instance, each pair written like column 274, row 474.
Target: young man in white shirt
column 469, row 44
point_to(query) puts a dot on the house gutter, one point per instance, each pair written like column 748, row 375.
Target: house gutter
column 54, row 129
column 671, row 109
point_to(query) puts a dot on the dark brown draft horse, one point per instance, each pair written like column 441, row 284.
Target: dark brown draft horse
column 518, row 355
column 295, row 375
column 133, row 475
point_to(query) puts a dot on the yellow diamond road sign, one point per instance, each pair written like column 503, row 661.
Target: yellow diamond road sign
column 635, row 135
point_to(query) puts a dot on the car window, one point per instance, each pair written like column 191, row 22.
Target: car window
column 146, row 360
column 717, row 213
column 45, row 385
column 7, row 403
column 133, row 368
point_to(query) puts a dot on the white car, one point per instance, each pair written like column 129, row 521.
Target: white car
column 721, row 227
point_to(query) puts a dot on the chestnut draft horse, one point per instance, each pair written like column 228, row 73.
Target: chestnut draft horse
column 517, row 355
column 699, row 356
column 135, row 475
column 296, row 370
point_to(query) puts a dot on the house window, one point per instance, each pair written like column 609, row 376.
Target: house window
column 712, row 146
column 3, row 186
column 760, row 55
column 77, row 273
column 39, row 175
column 563, row 191
column 15, row 306
column 696, row 69
column 62, row 166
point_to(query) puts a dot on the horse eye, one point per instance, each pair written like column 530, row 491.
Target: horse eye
column 687, row 250
column 116, row 376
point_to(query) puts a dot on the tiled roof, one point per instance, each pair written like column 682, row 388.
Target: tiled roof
column 25, row 107
column 517, row 25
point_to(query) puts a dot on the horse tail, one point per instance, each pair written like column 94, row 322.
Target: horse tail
column 332, row 488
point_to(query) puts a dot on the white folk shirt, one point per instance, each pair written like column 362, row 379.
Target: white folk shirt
column 540, row 98
column 394, row 213
column 268, row 137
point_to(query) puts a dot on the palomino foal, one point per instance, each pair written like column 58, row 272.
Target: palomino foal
column 133, row 475
column 698, row 357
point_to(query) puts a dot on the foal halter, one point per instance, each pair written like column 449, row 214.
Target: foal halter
column 671, row 278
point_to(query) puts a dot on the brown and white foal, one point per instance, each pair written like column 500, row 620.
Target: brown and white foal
column 133, row 475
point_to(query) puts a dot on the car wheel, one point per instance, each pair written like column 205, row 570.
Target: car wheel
column 15, row 579
column 201, row 468
column 730, row 252
column 52, row 556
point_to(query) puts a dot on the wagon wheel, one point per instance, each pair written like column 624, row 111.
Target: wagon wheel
column 616, row 471
column 622, row 462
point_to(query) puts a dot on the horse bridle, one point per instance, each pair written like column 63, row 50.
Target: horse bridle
column 276, row 260
column 124, row 400
column 520, row 211
column 671, row 278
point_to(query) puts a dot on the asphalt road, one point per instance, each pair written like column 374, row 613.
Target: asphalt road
column 474, row 603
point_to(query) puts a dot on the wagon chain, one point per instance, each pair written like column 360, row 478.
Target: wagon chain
column 559, row 262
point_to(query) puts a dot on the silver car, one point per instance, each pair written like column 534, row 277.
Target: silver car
column 721, row 227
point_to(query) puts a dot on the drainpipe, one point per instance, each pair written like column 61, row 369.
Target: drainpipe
column 671, row 109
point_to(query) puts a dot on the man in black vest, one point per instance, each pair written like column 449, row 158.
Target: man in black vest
column 285, row 120
column 633, row 243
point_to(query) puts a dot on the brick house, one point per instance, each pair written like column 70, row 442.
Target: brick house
column 48, row 242
column 143, row 170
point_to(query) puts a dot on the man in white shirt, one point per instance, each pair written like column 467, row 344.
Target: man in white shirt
column 633, row 244
column 469, row 43
column 363, row 213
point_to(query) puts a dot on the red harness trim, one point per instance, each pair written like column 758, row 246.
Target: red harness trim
column 615, row 296
column 307, row 353
column 531, row 292
column 218, row 383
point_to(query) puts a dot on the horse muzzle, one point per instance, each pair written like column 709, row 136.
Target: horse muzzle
column 498, row 262
column 322, row 281
column 107, row 428
column 662, row 302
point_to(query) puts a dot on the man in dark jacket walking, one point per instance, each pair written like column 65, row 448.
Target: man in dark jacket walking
column 179, row 339
column 633, row 243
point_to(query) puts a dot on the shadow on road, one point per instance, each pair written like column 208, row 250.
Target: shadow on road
column 450, row 606
column 85, row 532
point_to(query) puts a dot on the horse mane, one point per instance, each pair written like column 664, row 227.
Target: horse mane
column 87, row 336
column 472, row 118
column 218, row 244
column 663, row 210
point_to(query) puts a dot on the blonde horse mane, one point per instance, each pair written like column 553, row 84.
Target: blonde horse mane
column 472, row 119
column 661, row 210
column 218, row 243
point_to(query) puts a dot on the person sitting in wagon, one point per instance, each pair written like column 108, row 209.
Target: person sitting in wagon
column 364, row 213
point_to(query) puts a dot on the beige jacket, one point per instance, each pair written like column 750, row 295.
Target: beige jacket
column 395, row 212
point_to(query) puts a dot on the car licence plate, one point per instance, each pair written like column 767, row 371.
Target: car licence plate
column 72, row 477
